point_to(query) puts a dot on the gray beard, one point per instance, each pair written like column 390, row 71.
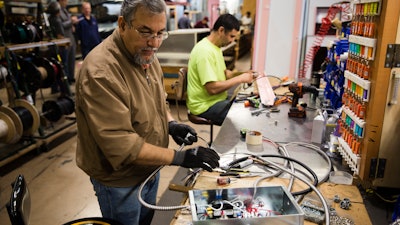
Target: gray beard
column 140, row 61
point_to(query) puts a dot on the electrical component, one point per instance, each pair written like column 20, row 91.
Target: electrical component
column 263, row 205
column 223, row 180
column 345, row 204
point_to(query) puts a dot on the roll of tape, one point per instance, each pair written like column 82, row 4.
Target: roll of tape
column 253, row 138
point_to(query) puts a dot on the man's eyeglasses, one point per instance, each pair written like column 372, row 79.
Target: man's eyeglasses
column 149, row 35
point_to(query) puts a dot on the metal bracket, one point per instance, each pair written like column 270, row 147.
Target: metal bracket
column 377, row 168
column 392, row 56
column 372, row 168
column 381, row 168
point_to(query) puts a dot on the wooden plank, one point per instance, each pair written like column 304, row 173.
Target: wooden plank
column 357, row 211
column 379, row 86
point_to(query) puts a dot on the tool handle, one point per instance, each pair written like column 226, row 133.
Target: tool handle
column 179, row 188
column 243, row 164
column 231, row 174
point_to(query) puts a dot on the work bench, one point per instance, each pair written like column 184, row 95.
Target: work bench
column 356, row 213
column 295, row 135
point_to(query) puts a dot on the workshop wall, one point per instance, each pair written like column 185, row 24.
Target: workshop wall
column 284, row 32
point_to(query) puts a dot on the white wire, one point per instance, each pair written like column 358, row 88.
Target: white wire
column 161, row 208
column 285, row 152
column 324, row 203
column 170, row 208
column 155, row 207
column 317, row 149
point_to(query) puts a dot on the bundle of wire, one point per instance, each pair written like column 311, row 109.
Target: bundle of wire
column 287, row 167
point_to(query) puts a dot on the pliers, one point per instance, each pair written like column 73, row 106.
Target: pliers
column 238, row 173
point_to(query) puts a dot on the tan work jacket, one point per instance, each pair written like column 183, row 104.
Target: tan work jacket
column 117, row 110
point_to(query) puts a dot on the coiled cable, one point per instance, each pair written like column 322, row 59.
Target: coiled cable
column 315, row 178
column 313, row 187
column 318, row 150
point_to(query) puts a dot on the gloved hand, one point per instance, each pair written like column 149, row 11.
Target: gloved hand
column 198, row 157
column 179, row 131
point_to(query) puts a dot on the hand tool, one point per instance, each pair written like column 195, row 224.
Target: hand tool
column 179, row 188
column 238, row 175
column 298, row 89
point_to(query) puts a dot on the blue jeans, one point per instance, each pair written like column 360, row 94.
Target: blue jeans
column 122, row 204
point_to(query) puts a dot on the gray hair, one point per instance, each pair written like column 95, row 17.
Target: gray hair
column 129, row 8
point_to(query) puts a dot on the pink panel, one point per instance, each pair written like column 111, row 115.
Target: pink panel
column 295, row 39
column 260, row 35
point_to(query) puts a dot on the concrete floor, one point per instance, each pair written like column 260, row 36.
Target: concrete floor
column 61, row 192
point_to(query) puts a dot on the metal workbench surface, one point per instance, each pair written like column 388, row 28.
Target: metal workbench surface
column 277, row 127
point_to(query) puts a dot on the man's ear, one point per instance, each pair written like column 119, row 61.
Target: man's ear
column 221, row 29
column 121, row 23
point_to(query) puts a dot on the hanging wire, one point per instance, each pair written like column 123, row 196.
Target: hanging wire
column 162, row 208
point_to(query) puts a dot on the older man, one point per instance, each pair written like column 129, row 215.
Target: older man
column 123, row 119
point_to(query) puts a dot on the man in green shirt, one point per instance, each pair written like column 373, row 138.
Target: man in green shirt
column 208, row 79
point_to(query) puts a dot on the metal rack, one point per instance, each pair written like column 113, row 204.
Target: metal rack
column 39, row 136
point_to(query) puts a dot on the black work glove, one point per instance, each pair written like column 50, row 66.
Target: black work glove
column 198, row 157
column 179, row 133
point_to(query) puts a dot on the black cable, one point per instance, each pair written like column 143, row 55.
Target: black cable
column 236, row 161
column 302, row 192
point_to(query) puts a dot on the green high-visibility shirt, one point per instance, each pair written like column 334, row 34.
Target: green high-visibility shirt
column 206, row 64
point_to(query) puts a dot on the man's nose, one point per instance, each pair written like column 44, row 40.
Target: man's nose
column 153, row 42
